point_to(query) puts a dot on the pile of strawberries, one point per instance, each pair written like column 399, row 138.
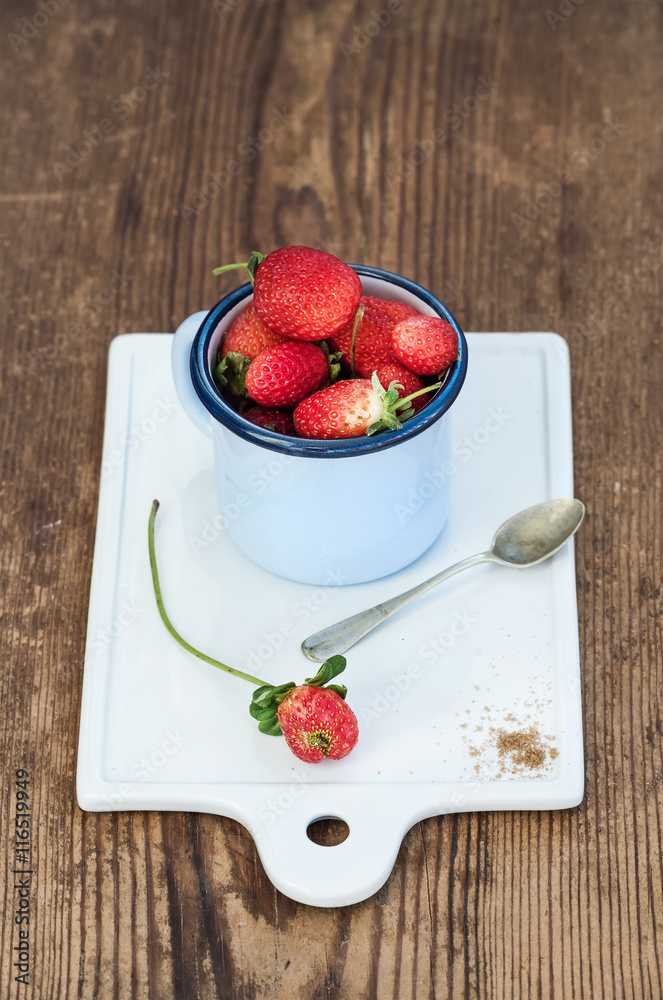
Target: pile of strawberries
column 313, row 357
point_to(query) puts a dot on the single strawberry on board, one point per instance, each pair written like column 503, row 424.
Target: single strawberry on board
column 425, row 344
column 402, row 376
column 248, row 335
column 300, row 292
column 317, row 724
column 354, row 407
column 271, row 419
column 313, row 716
column 373, row 341
column 285, row 374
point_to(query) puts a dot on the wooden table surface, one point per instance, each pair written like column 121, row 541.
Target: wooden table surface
column 314, row 122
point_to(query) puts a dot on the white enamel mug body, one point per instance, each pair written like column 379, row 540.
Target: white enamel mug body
column 323, row 512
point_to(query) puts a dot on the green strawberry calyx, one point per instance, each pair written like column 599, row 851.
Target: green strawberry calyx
column 230, row 373
column 266, row 699
column 251, row 265
column 333, row 360
column 392, row 402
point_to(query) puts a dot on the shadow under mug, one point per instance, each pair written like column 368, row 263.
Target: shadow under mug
column 323, row 512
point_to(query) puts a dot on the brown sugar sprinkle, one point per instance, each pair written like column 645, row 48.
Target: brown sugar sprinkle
column 523, row 747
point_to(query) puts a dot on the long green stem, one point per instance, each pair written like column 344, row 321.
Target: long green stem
column 166, row 620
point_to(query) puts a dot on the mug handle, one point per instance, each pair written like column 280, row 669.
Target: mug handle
column 181, row 365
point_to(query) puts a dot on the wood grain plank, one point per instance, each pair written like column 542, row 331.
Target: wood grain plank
column 497, row 906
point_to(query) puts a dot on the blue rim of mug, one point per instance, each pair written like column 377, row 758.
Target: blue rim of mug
column 209, row 395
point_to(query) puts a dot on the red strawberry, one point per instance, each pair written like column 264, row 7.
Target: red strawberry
column 302, row 293
column 317, row 724
column 351, row 408
column 248, row 335
column 410, row 382
column 285, row 374
column 272, row 420
column 425, row 344
column 373, row 345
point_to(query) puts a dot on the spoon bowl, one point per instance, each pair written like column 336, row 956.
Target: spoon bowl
column 537, row 533
column 524, row 540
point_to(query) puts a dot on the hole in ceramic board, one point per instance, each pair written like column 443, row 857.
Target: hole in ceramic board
column 328, row 831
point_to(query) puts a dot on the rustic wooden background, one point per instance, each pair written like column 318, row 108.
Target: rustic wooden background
column 530, row 216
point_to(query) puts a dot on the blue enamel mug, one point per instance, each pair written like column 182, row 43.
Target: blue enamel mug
column 324, row 512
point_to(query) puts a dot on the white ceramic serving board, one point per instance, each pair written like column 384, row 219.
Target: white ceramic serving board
column 492, row 651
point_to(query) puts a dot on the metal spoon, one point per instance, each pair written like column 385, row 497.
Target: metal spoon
column 525, row 539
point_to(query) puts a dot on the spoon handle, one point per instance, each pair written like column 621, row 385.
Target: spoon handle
column 339, row 637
